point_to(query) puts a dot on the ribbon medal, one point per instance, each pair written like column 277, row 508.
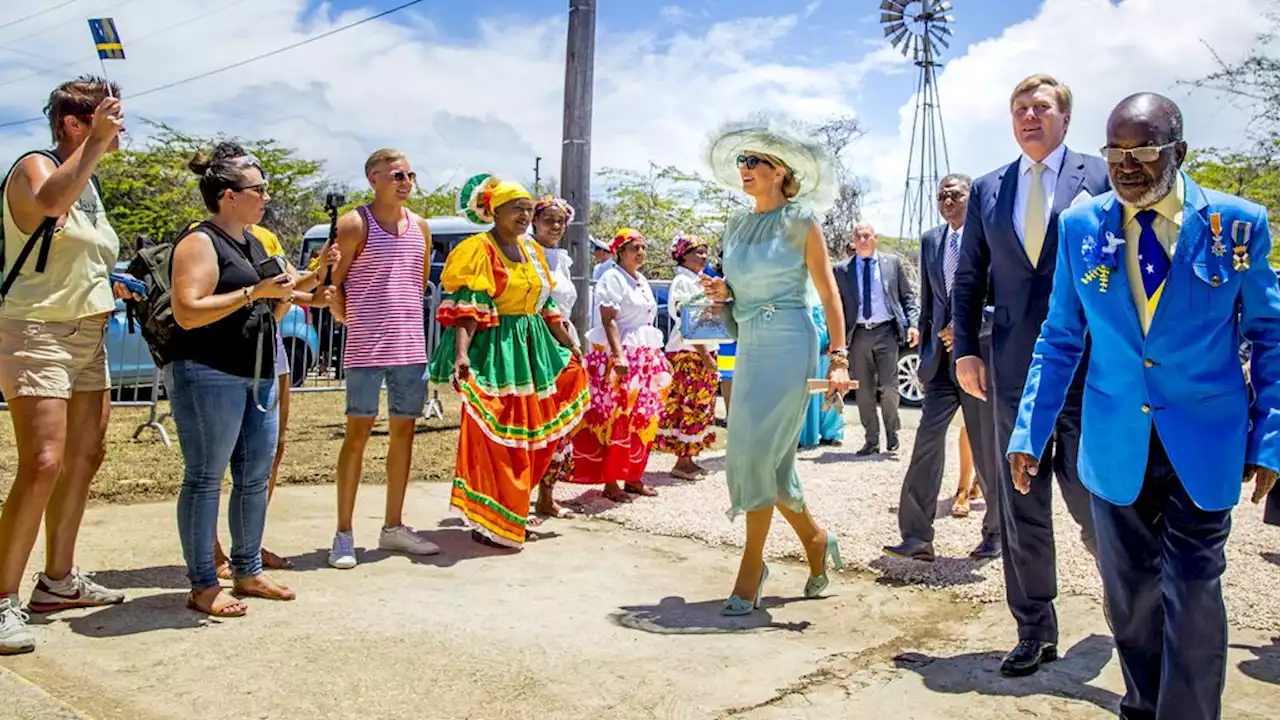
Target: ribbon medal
column 1215, row 223
column 1240, row 232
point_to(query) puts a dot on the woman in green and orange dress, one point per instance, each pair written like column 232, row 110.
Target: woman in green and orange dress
column 505, row 349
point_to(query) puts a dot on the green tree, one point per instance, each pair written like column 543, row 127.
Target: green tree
column 1253, row 174
column 149, row 192
column 440, row 201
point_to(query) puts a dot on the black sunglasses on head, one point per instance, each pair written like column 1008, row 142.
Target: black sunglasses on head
column 752, row 161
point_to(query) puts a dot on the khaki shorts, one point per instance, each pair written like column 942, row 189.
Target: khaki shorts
column 53, row 359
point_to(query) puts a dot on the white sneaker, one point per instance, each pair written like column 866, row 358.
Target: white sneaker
column 403, row 539
column 343, row 554
column 15, row 636
column 76, row 590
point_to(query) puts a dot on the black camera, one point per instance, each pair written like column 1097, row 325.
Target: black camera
column 333, row 201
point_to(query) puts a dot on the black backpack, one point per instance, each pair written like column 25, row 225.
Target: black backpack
column 43, row 236
column 154, row 313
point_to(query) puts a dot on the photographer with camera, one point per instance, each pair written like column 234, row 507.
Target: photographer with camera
column 225, row 288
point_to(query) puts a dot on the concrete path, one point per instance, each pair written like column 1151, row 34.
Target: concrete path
column 592, row 622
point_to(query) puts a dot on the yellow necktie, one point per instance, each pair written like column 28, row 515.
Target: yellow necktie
column 1033, row 229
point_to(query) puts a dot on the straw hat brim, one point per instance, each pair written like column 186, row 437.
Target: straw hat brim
column 812, row 164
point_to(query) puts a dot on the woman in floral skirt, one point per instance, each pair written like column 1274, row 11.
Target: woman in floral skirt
column 507, row 352
column 629, row 377
column 686, row 427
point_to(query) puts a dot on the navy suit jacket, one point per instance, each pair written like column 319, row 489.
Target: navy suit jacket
column 935, row 306
column 993, row 262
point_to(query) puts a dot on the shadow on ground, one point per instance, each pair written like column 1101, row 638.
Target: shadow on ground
column 453, row 538
column 676, row 616
column 1068, row 677
column 942, row 572
column 165, row 611
column 1265, row 666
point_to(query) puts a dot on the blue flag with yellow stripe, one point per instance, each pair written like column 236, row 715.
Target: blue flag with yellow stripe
column 106, row 39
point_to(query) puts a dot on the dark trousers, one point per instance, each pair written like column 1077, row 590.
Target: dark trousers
column 1272, row 514
column 1030, row 564
column 874, row 357
column 923, row 481
column 987, row 458
column 1162, row 560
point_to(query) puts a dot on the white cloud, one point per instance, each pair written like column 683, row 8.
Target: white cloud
column 1103, row 51
column 494, row 101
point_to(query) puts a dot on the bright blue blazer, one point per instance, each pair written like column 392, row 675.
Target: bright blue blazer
column 1184, row 376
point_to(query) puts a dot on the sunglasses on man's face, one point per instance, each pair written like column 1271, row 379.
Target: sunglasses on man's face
column 951, row 195
column 401, row 176
column 1148, row 154
column 751, row 162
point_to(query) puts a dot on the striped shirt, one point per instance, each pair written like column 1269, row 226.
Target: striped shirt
column 384, row 298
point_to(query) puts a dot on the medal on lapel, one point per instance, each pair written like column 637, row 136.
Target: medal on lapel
column 1215, row 223
column 1240, row 232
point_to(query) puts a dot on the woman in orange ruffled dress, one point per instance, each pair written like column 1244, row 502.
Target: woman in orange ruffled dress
column 506, row 350
column 629, row 377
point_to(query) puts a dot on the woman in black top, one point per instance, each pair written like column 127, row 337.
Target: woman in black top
column 222, row 381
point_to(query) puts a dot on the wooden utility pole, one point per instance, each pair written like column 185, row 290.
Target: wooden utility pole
column 575, row 155
column 537, row 176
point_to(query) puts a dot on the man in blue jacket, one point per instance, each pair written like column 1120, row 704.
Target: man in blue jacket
column 1165, row 277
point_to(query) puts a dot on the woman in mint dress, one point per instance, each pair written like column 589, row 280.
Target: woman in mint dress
column 774, row 257
column 823, row 421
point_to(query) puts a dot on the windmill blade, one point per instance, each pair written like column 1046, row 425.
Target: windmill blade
column 891, row 29
column 938, row 38
column 945, row 30
column 891, row 5
column 898, row 38
column 888, row 17
column 942, row 7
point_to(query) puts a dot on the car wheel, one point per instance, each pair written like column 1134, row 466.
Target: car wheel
column 910, row 389
column 299, row 361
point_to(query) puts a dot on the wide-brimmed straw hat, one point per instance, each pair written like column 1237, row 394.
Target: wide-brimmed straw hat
column 812, row 164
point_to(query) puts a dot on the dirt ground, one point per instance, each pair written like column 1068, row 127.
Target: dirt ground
column 593, row 621
column 145, row 469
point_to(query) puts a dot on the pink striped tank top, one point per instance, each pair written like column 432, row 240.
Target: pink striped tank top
column 384, row 298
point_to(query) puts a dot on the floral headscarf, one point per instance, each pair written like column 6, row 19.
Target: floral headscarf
column 682, row 244
column 551, row 201
column 623, row 237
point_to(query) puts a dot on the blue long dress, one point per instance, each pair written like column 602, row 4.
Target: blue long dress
column 821, row 424
column 764, row 266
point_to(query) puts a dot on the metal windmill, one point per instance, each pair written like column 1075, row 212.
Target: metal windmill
column 919, row 28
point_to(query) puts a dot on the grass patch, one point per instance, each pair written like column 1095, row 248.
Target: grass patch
column 144, row 469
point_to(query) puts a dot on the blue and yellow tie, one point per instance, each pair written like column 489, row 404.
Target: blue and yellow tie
column 1153, row 260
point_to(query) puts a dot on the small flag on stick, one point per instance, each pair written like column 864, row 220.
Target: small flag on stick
column 106, row 39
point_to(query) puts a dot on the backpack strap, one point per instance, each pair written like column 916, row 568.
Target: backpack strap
column 42, row 235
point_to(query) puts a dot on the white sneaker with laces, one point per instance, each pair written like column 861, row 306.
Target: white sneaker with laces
column 15, row 636
column 403, row 539
column 76, row 590
column 343, row 554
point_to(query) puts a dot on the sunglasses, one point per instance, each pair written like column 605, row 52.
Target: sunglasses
column 402, row 176
column 951, row 194
column 1148, row 154
column 260, row 188
column 751, row 162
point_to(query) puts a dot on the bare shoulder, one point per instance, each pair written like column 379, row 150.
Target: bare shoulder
column 423, row 225
column 351, row 226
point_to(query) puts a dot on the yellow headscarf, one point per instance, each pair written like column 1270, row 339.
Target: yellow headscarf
column 502, row 192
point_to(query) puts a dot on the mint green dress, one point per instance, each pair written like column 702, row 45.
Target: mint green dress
column 764, row 266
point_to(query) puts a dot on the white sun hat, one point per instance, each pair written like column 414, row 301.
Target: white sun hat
column 812, row 164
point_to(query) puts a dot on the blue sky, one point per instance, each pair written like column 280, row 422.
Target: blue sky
column 472, row 87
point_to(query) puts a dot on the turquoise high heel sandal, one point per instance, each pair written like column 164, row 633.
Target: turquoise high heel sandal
column 817, row 583
column 735, row 605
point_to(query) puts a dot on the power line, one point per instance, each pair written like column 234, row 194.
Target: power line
column 46, row 11
column 287, row 48
column 132, row 42
column 242, row 63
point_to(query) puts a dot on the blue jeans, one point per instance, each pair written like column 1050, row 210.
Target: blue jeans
column 219, row 424
column 406, row 390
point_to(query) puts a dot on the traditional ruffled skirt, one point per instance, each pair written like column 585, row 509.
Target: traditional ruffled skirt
column 687, row 425
column 525, row 395
column 621, row 423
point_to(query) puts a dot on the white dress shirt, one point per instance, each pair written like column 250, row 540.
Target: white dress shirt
column 1049, row 179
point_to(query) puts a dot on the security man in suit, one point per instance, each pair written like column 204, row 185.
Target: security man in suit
column 939, row 258
column 1007, row 259
column 880, row 310
column 1165, row 276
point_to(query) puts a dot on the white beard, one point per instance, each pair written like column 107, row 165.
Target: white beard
column 1163, row 186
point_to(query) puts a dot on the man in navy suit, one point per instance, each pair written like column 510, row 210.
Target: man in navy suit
column 1165, row 276
column 939, row 258
column 1009, row 251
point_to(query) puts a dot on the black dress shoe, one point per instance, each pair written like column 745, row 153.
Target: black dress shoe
column 894, row 444
column 989, row 549
column 1027, row 658
column 911, row 549
column 868, row 449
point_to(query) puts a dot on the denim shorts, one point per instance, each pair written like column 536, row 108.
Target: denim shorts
column 406, row 390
